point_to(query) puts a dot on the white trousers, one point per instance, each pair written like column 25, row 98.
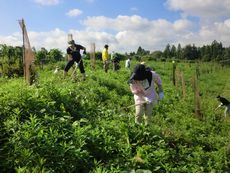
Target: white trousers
column 227, row 111
column 144, row 111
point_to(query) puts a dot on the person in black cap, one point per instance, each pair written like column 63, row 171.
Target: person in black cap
column 73, row 52
column 142, row 85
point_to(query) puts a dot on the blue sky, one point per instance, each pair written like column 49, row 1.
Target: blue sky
column 123, row 24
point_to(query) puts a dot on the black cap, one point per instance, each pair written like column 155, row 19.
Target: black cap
column 139, row 72
column 106, row 46
column 71, row 42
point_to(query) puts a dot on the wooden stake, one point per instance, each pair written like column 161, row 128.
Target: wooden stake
column 183, row 85
column 197, row 101
column 92, row 56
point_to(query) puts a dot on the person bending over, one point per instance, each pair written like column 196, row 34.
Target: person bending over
column 142, row 84
column 74, row 55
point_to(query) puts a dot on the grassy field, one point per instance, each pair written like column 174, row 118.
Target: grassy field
column 69, row 125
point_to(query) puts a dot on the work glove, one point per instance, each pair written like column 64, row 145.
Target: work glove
column 147, row 100
column 161, row 95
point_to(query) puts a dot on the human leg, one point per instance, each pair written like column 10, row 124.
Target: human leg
column 227, row 111
column 139, row 113
column 68, row 66
column 106, row 66
column 114, row 66
column 81, row 66
column 82, row 70
column 149, row 111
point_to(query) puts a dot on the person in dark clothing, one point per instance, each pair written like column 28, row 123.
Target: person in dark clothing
column 115, row 61
column 224, row 102
column 74, row 55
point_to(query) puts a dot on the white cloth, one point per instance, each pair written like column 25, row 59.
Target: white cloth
column 143, row 91
column 127, row 63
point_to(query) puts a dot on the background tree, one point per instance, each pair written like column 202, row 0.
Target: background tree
column 141, row 51
column 226, row 55
column 41, row 56
column 207, row 53
column 55, row 55
column 173, row 52
column 156, row 55
column 179, row 52
column 11, row 60
column 216, row 50
column 167, row 52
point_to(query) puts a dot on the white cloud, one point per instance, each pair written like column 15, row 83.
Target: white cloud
column 134, row 31
column 74, row 12
column 97, row 22
column 120, row 23
column 53, row 39
column 127, row 33
column 219, row 31
column 201, row 8
column 47, row 2
column 15, row 39
column 182, row 24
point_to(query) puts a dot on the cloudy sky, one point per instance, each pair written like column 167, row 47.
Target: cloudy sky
column 123, row 24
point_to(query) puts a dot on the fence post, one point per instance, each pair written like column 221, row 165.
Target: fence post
column 183, row 85
column 173, row 73
column 197, row 101
column 92, row 56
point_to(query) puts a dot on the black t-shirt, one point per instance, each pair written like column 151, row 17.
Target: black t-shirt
column 75, row 51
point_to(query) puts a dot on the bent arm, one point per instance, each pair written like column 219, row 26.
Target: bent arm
column 158, row 82
column 136, row 89
column 221, row 104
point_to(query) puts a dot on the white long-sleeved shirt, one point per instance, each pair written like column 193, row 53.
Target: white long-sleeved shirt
column 142, row 91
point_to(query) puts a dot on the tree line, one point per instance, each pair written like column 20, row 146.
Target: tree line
column 213, row 52
column 11, row 61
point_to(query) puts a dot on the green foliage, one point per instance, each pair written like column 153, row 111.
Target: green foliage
column 44, row 56
column 55, row 55
column 141, row 51
column 62, row 125
column 11, row 61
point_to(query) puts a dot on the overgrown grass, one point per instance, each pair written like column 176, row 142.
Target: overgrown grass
column 65, row 125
